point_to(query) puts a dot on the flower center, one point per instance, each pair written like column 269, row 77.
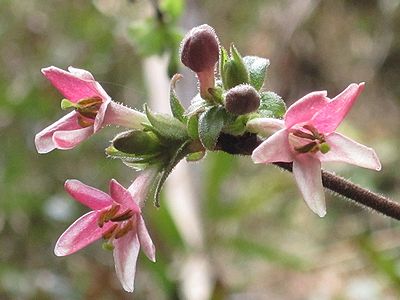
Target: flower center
column 123, row 221
column 87, row 109
column 307, row 139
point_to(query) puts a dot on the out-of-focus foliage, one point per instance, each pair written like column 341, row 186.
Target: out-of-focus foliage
column 261, row 240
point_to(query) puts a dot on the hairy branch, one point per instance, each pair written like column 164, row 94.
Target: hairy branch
column 245, row 144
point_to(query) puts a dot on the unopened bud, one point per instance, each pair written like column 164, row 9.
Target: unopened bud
column 242, row 99
column 200, row 49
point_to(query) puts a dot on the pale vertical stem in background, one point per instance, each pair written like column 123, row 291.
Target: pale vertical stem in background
column 195, row 275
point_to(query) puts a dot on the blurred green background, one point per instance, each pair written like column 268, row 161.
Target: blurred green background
column 260, row 241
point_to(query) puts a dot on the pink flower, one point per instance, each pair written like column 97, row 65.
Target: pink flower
column 307, row 137
column 93, row 110
column 117, row 219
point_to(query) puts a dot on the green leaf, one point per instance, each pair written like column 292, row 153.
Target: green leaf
column 174, row 8
column 211, row 123
column 193, row 127
column 166, row 126
column 271, row 105
column 257, row 67
column 176, row 107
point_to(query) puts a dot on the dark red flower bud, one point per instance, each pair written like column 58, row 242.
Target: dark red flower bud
column 242, row 99
column 200, row 48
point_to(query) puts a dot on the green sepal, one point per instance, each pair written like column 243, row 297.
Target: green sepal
column 166, row 126
column 196, row 156
column 257, row 67
column 197, row 105
column 217, row 94
column 132, row 160
column 271, row 105
column 177, row 109
column 65, row 104
column 237, row 126
column 180, row 153
column 234, row 71
column 137, row 142
column 211, row 123
column 193, row 127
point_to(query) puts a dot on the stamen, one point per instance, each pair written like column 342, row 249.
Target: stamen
column 83, row 122
column 124, row 229
column 110, row 232
column 127, row 214
column 302, row 134
column 107, row 215
column 306, row 148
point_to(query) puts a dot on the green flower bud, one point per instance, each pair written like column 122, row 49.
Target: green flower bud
column 200, row 49
column 242, row 99
column 137, row 142
column 232, row 68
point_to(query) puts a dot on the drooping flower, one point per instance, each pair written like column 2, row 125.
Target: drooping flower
column 116, row 217
column 307, row 137
column 94, row 109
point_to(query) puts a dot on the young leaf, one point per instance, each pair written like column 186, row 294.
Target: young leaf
column 167, row 126
column 211, row 123
column 257, row 67
column 175, row 105
column 271, row 105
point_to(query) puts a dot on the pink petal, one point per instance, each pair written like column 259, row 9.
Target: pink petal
column 68, row 139
column 122, row 196
column 120, row 115
column 329, row 117
column 274, row 149
column 141, row 185
column 265, row 126
column 80, row 234
column 44, row 139
column 87, row 195
column 99, row 120
column 346, row 150
column 74, row 87
column 145, row 240
column 80, row 73
column 126, row 252
column 307, row 172
column 305, row 108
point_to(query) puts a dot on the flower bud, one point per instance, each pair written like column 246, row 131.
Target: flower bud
column 232, row 68
column 242, row 99
column 200, row 49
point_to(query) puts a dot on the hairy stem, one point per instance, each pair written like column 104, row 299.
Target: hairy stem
column 245, row 145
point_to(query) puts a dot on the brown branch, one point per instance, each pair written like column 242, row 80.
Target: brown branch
column 245, row 144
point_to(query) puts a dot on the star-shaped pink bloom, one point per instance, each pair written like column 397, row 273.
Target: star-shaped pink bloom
column 307, row 137
column 93, row 110
column 117, row 219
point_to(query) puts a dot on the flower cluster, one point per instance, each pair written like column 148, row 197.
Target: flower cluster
column 232, row 113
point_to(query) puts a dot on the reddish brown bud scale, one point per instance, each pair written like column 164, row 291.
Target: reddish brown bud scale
column 200, row 48
column 242, row 99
